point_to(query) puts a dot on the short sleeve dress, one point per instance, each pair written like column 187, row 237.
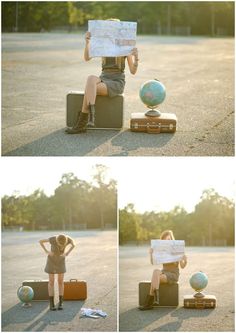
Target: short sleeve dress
column 56, row 264
column 113, row 75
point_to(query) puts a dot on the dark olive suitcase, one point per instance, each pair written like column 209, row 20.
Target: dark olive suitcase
column 75, row 290
column 40, row 288
column 109, row 110
column 165, row 123
column 168, row 293
column 206, row 302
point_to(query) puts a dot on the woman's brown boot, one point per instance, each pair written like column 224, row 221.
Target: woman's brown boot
column 51, row 302
column 60, row 305
column 91, row 122
column 80, row 126
column 148, row 303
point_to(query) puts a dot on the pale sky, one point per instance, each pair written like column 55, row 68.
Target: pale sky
column 150, row 183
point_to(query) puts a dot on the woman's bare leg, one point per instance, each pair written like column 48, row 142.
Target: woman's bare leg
column 51, row 285
column 157, row 278
column 94, row 87
column 61, row 284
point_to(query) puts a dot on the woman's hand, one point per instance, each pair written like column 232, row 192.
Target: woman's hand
column 63, row 255
column 51, row 254
column 184, row 258
column 134, row 52
column 87, row 37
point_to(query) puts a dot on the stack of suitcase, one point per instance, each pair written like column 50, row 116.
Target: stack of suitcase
column 206, row 302
column 109, row 111
column 165, row 123
column 74, row 290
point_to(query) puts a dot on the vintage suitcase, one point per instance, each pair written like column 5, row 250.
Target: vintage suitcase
column 206, row 302
column 40, row 288
column 168, row 293
column 109, row 111
column 75, row 290
column 165, row 123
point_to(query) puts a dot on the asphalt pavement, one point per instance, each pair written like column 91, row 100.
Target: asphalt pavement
column 38, row 70
column 217, row 263
column 94, row 259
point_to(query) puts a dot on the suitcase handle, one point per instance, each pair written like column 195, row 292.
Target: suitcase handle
column 71, row 280
column 153, row 128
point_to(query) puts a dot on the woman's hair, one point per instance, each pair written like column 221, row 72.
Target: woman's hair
column 61, row 240
column 113, row 19
column 166, row 233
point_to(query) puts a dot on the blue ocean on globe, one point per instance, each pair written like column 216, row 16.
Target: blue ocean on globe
column 25, row 294
column 152, row 93
column 198, row 281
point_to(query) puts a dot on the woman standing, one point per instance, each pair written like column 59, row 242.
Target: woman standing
column 168, row 274
column 56, row 264
column 110, row 83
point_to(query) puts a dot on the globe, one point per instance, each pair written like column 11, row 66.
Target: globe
column 152, row 93
column 198, row 281
column 25, row 295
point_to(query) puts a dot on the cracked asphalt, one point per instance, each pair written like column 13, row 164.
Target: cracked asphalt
column 94, row 259
column 38, row 70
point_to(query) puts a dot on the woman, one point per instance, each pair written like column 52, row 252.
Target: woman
column 110, row 83
column 56, row 264
column 169, row 274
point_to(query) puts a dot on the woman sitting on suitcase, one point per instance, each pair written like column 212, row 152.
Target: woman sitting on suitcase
column 110, row 83
column 169, row 274
column 56, row 264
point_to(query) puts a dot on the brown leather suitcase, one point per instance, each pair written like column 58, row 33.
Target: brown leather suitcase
column 165, row 123
column 40, row 288
column 206, row 302
column 75, row 290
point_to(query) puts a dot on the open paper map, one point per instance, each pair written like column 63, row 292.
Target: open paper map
column 111, row 38
column 167, row 251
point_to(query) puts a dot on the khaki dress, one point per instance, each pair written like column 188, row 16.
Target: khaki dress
column 113, row 75
column 171, row 271
column 56, row 264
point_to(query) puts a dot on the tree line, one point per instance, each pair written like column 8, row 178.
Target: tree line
column 75, row 204
column 210, row 224
column 159, row 17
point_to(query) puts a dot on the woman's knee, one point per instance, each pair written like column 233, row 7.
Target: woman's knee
column 60, row 280
column 92, row 79
column 157, row 272
column 51, row 282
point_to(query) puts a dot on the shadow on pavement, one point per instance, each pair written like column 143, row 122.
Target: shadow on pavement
column 39, row 316
column 59, row 143
column 182, row 314
column 136, row 320
column 130, row 141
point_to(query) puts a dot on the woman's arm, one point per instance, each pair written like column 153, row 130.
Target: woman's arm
column 86, row 49
column 72, row 245
column 133, row 61
column 183, row 262
column 151, row 252
column 41, row 242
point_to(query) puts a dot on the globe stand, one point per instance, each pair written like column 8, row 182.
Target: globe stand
column 26, row 305
column 153, row 113
column 199, row 295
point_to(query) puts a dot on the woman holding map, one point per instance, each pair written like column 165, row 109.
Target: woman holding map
column 110, row 83
column 168, row 274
